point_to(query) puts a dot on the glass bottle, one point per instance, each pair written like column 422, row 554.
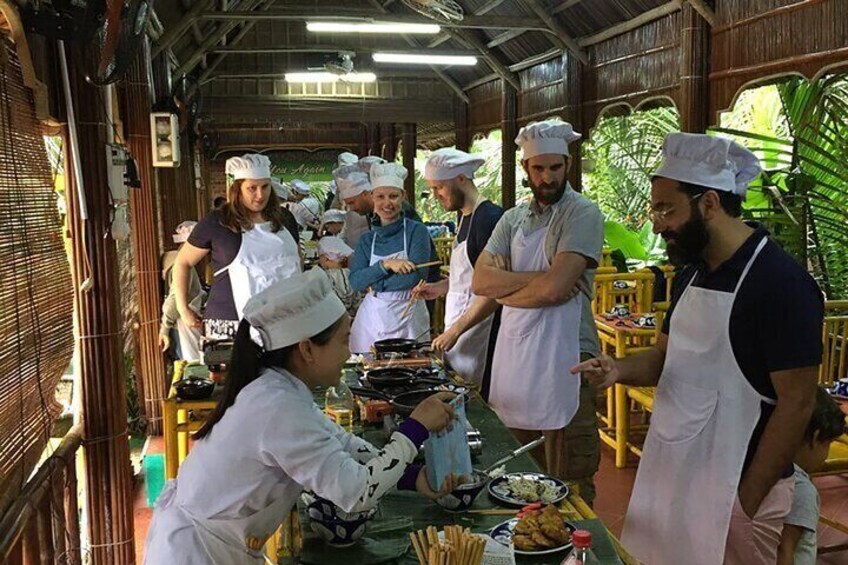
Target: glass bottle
column 340, row 405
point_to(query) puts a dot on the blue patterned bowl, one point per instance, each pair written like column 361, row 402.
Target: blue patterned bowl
column 332, row 524
column 462, row 497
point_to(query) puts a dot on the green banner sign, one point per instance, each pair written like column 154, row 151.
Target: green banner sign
column 303, row 165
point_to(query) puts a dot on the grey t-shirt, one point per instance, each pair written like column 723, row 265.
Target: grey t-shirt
column 804, row 514
column 577, row 226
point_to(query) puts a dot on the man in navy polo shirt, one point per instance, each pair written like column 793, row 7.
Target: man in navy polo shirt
column 735, row 370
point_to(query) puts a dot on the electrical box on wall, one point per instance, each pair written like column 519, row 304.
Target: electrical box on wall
column 165, row 139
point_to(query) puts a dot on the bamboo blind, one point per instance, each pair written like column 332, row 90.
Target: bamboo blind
column 35, row 285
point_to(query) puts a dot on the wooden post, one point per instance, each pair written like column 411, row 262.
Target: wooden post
column 136, row 103
column 388, row 141
column 108, row 476
column 463, row 142
column 373, row 139
column 509, row 129
column 572, row 84
column 694, row 85
column 409, row 146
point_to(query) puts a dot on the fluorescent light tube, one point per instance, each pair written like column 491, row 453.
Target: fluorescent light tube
column 424, row 59
column 375, row 27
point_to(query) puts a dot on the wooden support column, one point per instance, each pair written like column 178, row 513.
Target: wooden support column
column 463, row 141
column 509, row 129
column 373, row 139
column 136, row 100
column 572, row 84
column 388, row 141
column 694, row 85
column 108, row 476
column 410, row 142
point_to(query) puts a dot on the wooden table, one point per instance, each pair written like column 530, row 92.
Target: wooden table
column 620, row 337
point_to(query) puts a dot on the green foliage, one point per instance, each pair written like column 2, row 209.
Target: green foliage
column 802, row 197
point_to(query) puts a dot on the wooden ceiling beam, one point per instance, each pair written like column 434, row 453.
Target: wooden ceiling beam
column 557, row 28
column 173, row 34
column 635, row 23
column 501, row 69
column 706, row 12
column 563, row 6
column 504, row 37
column 312, row 48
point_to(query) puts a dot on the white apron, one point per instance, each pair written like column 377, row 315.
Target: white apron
column 263, row 258
column 704, row 413
column 379, row 315
column 468, row 356
column 220, row 540
column 531, row 386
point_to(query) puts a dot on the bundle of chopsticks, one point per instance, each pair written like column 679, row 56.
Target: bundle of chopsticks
column 460, row 546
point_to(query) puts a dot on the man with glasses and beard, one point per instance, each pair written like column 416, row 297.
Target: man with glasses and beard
column 735, row 369
column 471, row 321
column 540, row 264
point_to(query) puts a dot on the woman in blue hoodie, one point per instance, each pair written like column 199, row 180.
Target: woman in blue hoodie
column 384, row 267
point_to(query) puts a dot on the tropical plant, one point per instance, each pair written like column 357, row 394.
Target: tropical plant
column 619, row 158
column 802, row 197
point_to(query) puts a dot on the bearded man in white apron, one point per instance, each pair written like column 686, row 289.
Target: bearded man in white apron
column 539, row 264
column 470, row 320
column 735, row 370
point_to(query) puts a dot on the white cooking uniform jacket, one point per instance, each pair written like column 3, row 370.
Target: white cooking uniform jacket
column 271, row 444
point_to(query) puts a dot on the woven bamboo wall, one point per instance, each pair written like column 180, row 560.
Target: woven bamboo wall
column 631, row 68
column 178, row 195
column 484, row 108
column 760, row 39
column 542, row 92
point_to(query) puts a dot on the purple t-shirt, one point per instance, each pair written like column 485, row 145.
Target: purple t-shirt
column 224, row 245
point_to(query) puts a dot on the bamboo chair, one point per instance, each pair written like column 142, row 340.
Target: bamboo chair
column 637, row 296
column 444, row 247
column 834, row 366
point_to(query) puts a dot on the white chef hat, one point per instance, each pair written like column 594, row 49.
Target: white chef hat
column 334, row 215
column 447, row 163
column 301, row 186
column 550, row 137
column 351, row 181
column 280, row 189
column 307, row 211
column 294, row 309
column 712, row 162
column 347, row 158
column 249, row 166
column 388, row 174
column 365, row 163
column 183, row 231
column 334, row 248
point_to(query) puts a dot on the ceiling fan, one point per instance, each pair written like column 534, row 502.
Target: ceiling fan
column 446, row 11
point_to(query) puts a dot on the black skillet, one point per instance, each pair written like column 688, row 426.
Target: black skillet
column 403, row 403
column 399, row 345
column 398, row 377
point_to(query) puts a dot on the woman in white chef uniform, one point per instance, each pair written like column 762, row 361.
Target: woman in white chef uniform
column 384, row 265
column 267, row 440
column 252, row 241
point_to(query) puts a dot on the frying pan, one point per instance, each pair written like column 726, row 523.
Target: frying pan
column 399, row 377
column 403, row 403
column 399, row 345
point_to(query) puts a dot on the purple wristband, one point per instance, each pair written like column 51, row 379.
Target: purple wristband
column 410, row 475
column 415, row 431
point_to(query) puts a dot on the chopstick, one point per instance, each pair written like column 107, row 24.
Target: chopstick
column 411, row 300
column 428, row 264
column 459, row 547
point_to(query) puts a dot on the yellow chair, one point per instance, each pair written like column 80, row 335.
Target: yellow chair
column 637, row 296
column 444, row 247
column 834, row 364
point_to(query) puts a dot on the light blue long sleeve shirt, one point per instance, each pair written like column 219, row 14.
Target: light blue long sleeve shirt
column 389, row 240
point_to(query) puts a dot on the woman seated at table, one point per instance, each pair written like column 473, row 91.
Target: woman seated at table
column 267, row 440
column 384, row 265
column 252, row 241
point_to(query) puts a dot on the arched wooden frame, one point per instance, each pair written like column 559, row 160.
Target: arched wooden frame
column 774, row 79
column 627, row 109
column 13, row 26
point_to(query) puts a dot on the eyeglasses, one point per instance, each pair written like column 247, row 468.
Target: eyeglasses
column 660, row 215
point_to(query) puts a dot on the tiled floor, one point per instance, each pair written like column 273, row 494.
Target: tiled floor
column 614, row 487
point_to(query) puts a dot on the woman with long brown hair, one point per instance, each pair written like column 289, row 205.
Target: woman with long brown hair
column 253, row 243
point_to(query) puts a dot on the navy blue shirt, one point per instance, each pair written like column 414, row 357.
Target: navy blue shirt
column 477, row 232
column 776, row 321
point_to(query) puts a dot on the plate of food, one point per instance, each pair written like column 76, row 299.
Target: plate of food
column 536, row 533
column 521, row 489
